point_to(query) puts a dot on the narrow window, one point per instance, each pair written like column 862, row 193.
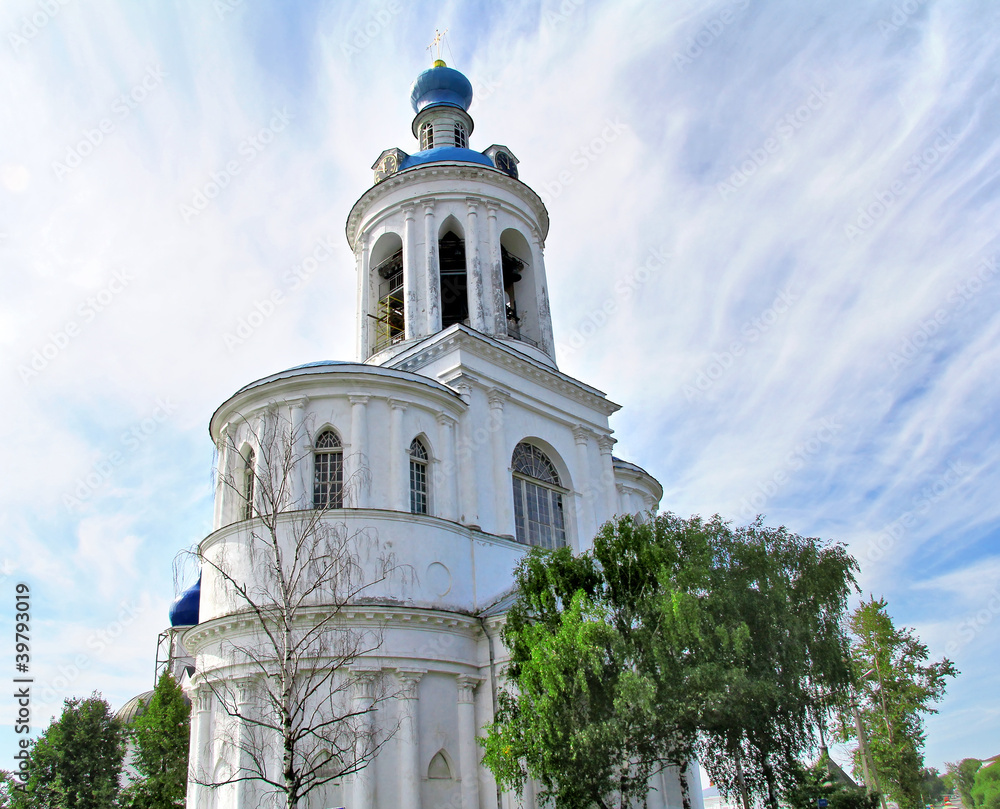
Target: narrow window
column 538, row 503
column 390, row 318
column 461, row 136
column 454, row 292
column 328, row 471
column 418, row 477
column 426, row 136
column 513, row 269
column 248, row 483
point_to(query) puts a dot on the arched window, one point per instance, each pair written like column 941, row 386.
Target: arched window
column 426, row 136
column 454, row 288
column 461, row 136
column 249, row 459
column 418, row 477
column 328, row 471
column 538, row 503
column 439, row 768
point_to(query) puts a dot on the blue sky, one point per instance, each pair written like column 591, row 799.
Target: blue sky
column 774, row 242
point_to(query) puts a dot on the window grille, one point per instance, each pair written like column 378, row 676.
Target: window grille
column 539, row 519
column 328, row 471
column 426, row 136
column 418, row 477
column 248, row 484
column 461, row 137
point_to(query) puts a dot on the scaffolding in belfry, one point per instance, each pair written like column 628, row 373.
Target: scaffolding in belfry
column 389, row 312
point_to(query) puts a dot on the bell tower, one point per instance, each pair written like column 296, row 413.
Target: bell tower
column 449, row 236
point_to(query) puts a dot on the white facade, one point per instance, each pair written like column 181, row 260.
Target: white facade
column 470, row 392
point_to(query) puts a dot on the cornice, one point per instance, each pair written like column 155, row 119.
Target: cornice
column 444, row 170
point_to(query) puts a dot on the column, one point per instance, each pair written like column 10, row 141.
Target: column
column 432, row 269
column 245, row 798
column 545, row 339
column 201, row 746
column 409, row 739
column 468, row 503
column 413, row 324
column 356, row 470
column 605, row 443
column 364, row 697
column 222, row 491
column 584, row 487
column 497, row 307
column 503, row 514
column 445, row 477
column 474, row 267
column 398, row 483
column 299, row 472
column 364, row 299
column 468, row 757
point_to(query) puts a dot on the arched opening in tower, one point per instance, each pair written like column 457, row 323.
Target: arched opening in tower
column 518, row 287
column 387, row 274
column 454, row 286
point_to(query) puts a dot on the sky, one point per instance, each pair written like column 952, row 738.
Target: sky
column 773, row 241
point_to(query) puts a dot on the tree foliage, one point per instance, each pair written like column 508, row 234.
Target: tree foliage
column 963, row 775
column 160, row 736
column 895, row 689
column 670, row 636
column 814, row 783
column 986, row 787
column 77, row 761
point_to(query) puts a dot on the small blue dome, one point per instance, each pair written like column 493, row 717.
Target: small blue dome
column 184, row 611
column 441, row 154
column 441, row 86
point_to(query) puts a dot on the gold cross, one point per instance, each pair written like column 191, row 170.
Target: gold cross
column 438, row 36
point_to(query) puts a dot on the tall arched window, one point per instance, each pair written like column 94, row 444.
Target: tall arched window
column 454, row 284
column 426, row 136
column 249, row 459
column 328, row 471
column 461, row 136
column 418, row 477
column 538, row 503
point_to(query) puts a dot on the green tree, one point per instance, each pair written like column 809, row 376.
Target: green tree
column 160, row 737
column 789, row 595
column 895, row 688
column 622, row 658
column 932, row 786
column 77, row 761
column 813, row 783
column 963, row 774
column 986, row 787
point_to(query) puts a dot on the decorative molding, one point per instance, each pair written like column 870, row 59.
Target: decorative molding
column 409, row 679
column 606, row 443
column 467, row 688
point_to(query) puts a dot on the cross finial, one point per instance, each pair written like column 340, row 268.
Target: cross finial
column 438, row 36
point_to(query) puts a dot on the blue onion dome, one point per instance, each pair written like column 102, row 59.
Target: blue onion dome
column 184, row 611
column 441, row 86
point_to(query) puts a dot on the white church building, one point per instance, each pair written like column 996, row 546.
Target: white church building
column 453, row 439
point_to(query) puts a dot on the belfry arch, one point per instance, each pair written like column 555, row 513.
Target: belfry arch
column 387, row 280
column 520, row 302
column 453, row 273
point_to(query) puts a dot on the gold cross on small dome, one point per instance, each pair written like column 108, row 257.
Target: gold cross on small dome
column 438, row 36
